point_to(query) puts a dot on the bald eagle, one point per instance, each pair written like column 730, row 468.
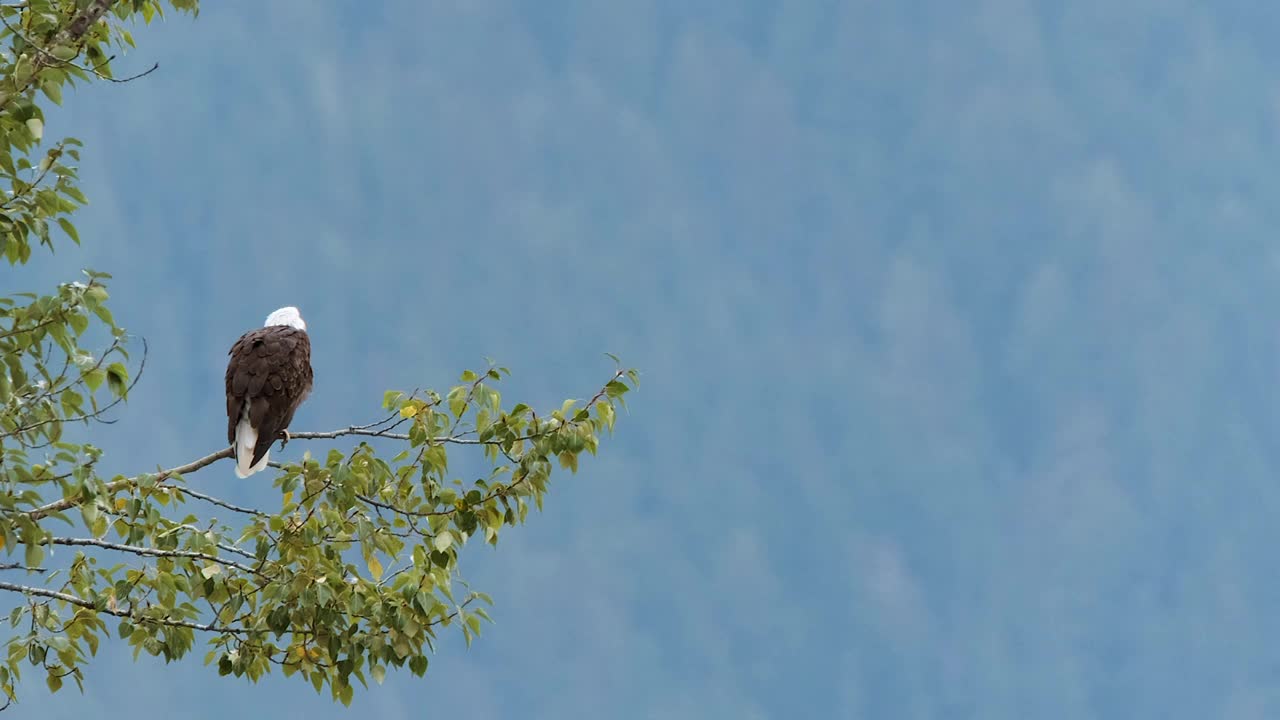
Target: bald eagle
column 268, row 377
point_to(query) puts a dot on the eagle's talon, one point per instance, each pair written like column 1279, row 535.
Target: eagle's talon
column 284, row 438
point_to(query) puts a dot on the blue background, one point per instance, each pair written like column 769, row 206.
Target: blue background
column 956, row 325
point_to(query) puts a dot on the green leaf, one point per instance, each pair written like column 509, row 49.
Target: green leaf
column 117, row 379
column 418, row 665
column 52, row 90
column 36, row 127
column 457, row 401
column 379, row 672
column 79, row 322
column 72, row 402
column 443, row 541
column 69, row 229
column 74, row 193
column 104, row 315
column 606, row 413
column 34, row 555
column 94, row 378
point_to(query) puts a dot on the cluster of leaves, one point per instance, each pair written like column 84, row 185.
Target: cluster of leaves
column 355, row 573
column 47, row 45
column 48, row 374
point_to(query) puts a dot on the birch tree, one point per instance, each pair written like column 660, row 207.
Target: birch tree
column 353, row 572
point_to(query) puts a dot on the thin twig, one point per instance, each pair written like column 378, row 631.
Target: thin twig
column 71, row 36
column 96, row 414
column 216, row 501
column 127, row 483
column 449, row 439
column 59, row 317
column 148, row 551
column 53, row 61
column 131, row 78
column 135, row 617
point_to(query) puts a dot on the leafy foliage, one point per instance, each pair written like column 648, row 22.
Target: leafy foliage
column 50, row 45
column 355, row 572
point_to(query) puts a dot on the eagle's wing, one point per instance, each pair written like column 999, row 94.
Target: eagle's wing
column 269, row 373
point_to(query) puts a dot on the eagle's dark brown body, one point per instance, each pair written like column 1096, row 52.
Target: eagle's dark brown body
column 268, row 377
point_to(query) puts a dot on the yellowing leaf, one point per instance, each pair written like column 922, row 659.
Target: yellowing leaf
column 375, row 567
column 120, row 503
column 569, row 461
column 288, row 498
column 36, row 126
column 408, row 411
column 457, row 400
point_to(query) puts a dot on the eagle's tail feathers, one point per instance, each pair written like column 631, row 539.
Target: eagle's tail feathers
column 246, row 440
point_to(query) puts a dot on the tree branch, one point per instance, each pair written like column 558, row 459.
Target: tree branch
column 96, row 414
column 60, row 316
column 133, row 616
column 52, row 61
column 91, row 14
column 218, row 501
column 151, row 552
column 446, row 440
column 174, row 622
column 125, row 484
column 359, row 430
column 163, row 475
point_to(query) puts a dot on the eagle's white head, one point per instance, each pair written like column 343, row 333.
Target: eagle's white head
column 286, row 316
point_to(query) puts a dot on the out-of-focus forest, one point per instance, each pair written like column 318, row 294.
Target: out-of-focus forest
column 957, row 324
